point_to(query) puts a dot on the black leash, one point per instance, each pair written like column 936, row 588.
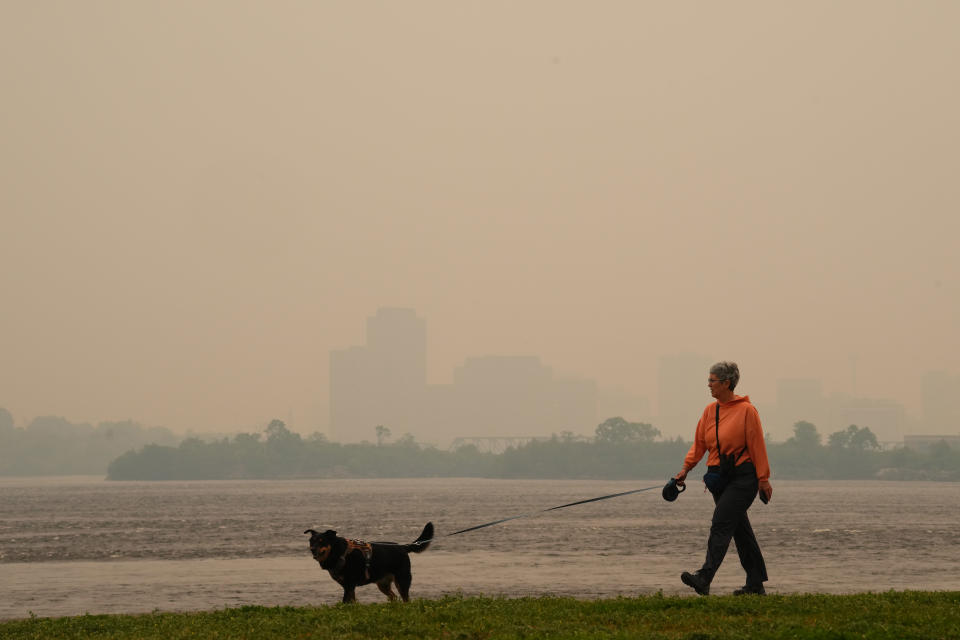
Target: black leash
column 526, row 515
column 533, row 513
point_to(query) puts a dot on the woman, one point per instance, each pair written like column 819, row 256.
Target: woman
column 730, row 426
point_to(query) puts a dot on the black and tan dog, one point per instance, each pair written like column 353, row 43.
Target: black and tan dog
column 354, row 563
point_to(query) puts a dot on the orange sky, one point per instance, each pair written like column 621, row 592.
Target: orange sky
column 199, row 200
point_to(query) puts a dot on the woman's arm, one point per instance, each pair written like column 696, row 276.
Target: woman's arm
column 757, row 447
column 697, row 449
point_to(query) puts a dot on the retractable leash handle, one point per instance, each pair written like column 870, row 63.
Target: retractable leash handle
column 673, row 489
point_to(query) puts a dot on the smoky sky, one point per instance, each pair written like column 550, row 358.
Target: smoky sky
column 198, row 201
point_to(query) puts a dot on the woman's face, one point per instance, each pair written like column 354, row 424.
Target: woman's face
column 717, row 386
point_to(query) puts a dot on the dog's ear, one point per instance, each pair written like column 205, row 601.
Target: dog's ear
column 330, row 533
column 311, row 531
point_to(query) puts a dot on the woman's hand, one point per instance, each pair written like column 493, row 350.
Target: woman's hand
column 766, row 491
column 680, row 477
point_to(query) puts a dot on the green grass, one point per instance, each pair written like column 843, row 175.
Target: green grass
column 894, row 615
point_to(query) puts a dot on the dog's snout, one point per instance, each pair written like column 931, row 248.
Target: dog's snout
column 320, row 553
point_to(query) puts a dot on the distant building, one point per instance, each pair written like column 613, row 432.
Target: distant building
column 939, row 410
column 518, row 396
column 803, row 399
column 924, row 443
column 886, row 423
column 885, row 418
column 384, row 383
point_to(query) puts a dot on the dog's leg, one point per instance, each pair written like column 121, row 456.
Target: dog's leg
column 384, row 585
column 349, row 593
column 403, row 581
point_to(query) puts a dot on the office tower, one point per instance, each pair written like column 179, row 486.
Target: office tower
column 382, row 382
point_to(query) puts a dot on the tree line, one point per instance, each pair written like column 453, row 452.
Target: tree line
column 52, row 445
column 854, row 453
column 618, row 450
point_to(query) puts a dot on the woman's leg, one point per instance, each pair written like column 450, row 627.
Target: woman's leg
column 728, row 517
column 751, row 558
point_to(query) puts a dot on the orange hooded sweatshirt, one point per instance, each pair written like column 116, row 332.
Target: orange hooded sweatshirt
column 739, row 429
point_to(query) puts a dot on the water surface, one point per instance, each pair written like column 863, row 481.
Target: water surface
column 70, row 546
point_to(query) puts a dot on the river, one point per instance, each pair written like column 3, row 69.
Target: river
column 76, row 545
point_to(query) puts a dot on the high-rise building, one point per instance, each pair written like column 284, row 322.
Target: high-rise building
column 397, row 343
column 885, row 418
column 519, row 396
column 382, row 382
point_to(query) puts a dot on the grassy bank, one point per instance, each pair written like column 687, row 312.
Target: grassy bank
column 894, row 615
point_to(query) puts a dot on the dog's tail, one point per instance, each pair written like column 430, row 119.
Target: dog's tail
column 421, row 543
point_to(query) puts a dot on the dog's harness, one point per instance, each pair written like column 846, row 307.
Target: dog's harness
column 365, row 548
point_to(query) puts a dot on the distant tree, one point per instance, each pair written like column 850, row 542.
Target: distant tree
column 942, row 456
column 57, row 427
column 278, row 436
column 153, row 462
column 383, row 434
column 864, row 440
column 839, row 439
column 247, row 445
column 406, row 441
column 854, row 438
column 277, row 430
column 619, row 431
column 247, row 439
column 6, row 422
column 284, row 448
column 805, row 435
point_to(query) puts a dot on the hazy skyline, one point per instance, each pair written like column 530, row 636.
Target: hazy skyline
column 199, row 201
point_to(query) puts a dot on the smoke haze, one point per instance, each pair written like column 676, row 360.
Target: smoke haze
column 200, row 201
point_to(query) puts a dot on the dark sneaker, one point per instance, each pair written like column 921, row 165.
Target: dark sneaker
column 748, row 589
column 697, row 582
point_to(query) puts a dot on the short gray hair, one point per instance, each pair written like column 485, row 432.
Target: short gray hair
column 726, row 370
